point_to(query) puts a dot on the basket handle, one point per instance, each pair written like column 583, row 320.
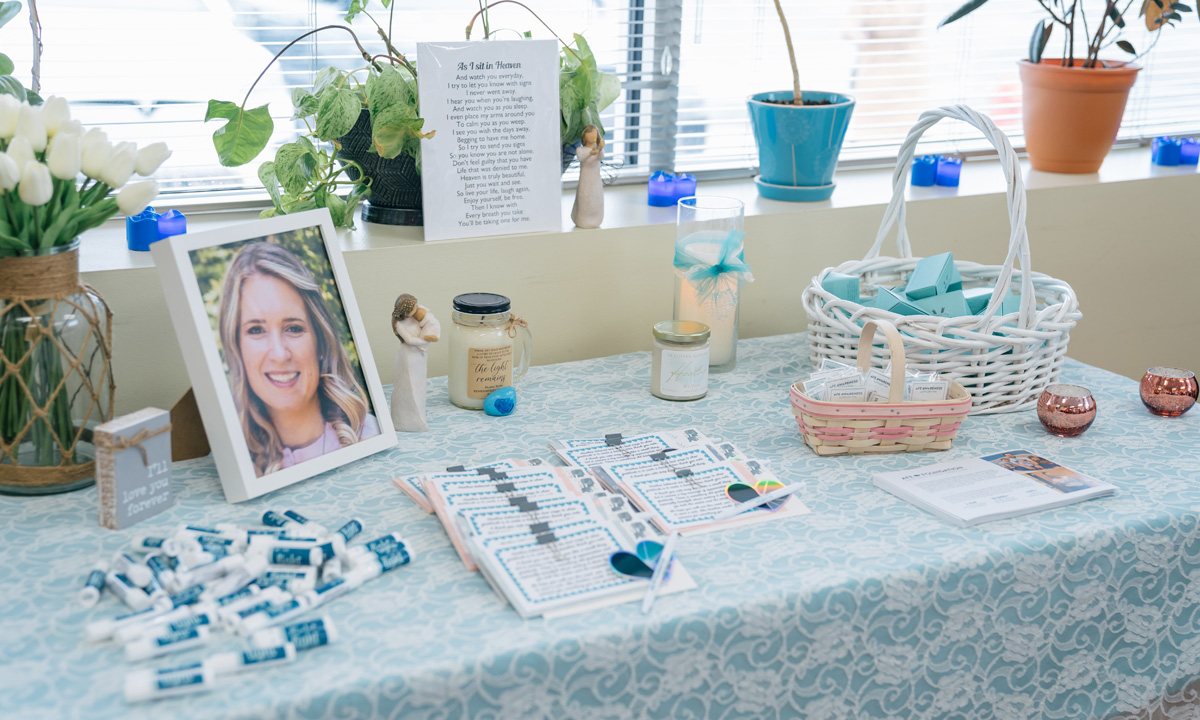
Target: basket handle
column 895, row 345
column 1018, row 241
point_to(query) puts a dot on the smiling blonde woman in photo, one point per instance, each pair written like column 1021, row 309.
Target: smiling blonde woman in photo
column 296, row 393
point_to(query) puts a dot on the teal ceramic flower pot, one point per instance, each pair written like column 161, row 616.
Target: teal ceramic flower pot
column 798, row 145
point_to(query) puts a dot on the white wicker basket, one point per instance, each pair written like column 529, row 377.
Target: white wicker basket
column 1004, row 361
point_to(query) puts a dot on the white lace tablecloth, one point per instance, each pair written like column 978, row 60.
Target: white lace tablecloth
column 867, row 608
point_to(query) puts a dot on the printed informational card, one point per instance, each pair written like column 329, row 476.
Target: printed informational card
column 492, row 166
column 494, row 522
column 618, row 447
column 994, row 487
column 688, row 503
column 665, row 463
column 570, row 574
column 523, row 489
column 413, row 485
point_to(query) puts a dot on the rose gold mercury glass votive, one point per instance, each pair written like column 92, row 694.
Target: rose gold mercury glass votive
column 1169, row 391
column 1066, row 410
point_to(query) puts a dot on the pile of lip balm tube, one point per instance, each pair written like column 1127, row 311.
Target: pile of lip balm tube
column 253, row 582
column 838, row 382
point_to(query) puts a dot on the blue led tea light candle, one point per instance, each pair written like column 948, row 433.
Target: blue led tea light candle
column 924, row 170
column 1166, row 151
column 948, row 170
column 685, row 186
column 660, row 190
column 1189, row 152
column 148, row 227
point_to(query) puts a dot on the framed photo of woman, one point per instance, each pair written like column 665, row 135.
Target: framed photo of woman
column 275, row 349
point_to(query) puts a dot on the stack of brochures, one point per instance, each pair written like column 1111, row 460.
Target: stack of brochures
column 994, row 487
column 544, row 536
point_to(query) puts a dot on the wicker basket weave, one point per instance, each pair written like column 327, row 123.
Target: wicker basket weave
column 1004, row 361
column 834, row 428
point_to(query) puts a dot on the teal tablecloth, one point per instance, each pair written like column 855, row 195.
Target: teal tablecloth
column 867, row 608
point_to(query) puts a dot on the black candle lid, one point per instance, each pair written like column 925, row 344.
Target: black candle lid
column 482, row 303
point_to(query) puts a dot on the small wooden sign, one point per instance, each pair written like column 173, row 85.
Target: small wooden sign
column 133, row 467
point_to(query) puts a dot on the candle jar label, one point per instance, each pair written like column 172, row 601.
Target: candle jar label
column 683, row 373
column 488, row 369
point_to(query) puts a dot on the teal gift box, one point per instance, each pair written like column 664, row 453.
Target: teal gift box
column 978, row 299
column 893, row 300
column 841, row 286
column 950, row 304
column 933, row 275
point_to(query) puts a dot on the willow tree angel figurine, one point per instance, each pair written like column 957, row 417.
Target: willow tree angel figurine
column 416, row 327
column 588, row 211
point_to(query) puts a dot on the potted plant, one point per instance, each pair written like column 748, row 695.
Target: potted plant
column 584, row 91
column 1072, row 106
column 799, row 136
column 362, row 138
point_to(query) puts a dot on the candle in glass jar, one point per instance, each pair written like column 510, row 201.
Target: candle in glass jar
column 483, row 348
column 679, row 364
column 718, row 310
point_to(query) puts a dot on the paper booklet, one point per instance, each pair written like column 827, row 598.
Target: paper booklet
column 994, row 487
column 687, row 500
column 412, row 485
column 616, row 447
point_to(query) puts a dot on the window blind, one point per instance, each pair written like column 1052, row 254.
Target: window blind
column 144, row 69
column 891, row 57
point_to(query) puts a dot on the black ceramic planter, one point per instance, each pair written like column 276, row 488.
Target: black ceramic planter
column 395, row 184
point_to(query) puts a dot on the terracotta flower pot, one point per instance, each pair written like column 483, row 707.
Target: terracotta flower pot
column 1072, row 114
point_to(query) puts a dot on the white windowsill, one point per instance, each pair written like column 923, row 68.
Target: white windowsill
column 104, row 248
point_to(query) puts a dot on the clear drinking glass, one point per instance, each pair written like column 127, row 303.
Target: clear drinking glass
column 702, row 236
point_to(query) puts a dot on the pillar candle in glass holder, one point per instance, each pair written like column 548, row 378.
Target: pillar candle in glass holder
column 710, row 268
column 483, row 354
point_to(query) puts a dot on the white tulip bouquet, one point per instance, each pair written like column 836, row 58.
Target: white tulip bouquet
column 44, row 153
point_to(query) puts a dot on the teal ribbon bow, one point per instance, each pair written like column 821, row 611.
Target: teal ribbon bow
column 706, row 277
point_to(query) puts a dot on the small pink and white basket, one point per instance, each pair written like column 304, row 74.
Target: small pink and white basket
column 840, row 428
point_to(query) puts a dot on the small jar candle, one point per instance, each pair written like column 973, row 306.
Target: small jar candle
column 679, row 368
column 482, row 337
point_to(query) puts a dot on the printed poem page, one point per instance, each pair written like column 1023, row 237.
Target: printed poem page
column 493, row 165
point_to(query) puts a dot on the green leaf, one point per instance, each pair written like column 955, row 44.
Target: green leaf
column 294, row 165
column 6, row 65
column 396, row 129
column 962, row 12
column 9, row 85
column 388, row 89
column 266, row 176
column 326, row 76
column 1116, row 17
column 1126, row 46
column 245, row 135
column 1037, row 43
column 305, row 104
column 337, row 209
column 610, row 89
column 1172, row 16
column 1180, row 7
column 355, row 8
column 337, row 113
column 32, row 98
column 299, row 206
column 8, row 11
column 268, row 213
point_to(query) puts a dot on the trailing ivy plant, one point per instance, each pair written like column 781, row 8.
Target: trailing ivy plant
column 583, row 90
column 306, row 173
column 1072, row 15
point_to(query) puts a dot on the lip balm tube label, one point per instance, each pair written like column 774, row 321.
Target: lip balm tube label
column 174, row 682
column 350, row 530
column 263, row 655
column 148, row 543
column 263, row 606
column 295, row 516
column 187, row 597
column 188, row 623
column 177, row 637
column 235, row 596
column 277, row 610
column 176, row 669
column 201, row 530
column 291, row 556
column 274, row 519
column 96, row 580
column 393, row 559
column 379, row 544
column 307, row 635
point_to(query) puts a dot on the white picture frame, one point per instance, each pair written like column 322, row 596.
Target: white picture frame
column 198, row 330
